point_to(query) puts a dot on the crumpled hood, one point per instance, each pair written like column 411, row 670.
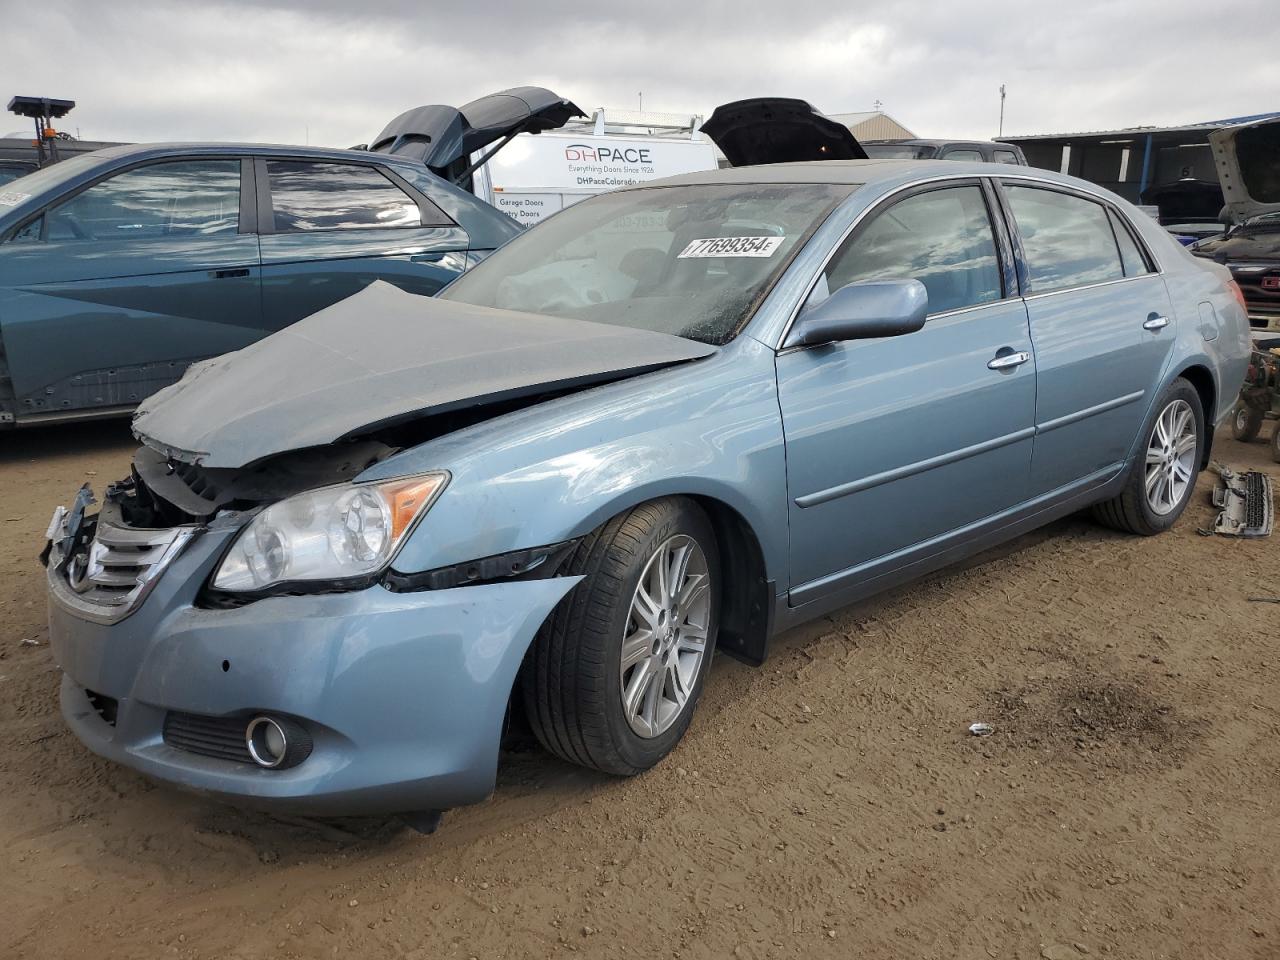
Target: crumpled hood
column 1248, row 159
column 380, row 357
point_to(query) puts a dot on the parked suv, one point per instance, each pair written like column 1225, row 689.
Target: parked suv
column 917, row 149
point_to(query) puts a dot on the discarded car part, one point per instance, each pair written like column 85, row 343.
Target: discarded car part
column 981, row 729
column 1246, row 504
column 416, row 356
column 444, row 138
column 778, row 130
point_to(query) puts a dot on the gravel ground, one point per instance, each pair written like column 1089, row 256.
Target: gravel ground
column 830, row 804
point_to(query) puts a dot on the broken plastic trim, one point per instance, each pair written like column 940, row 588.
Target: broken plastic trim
column 536, row 563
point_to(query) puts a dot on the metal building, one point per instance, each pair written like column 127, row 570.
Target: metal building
column 1131, row 160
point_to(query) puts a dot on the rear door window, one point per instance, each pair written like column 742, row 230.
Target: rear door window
column 963, row 153
column 182, row 198
column 943, row 238
column 1131, row 256
column 310, row 195
column 1067, row 241
column 1004, row 156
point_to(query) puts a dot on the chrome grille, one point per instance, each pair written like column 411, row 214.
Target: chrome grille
column 111, row 579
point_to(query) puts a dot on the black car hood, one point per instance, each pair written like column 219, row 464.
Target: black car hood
column 778, row 130
column 1248, row 159
column 379, row 358
column 439, row 135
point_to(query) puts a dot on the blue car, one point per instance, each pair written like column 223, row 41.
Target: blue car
column 121, row 267
column 670, row 420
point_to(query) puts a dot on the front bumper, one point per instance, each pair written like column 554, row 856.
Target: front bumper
column 404, row 694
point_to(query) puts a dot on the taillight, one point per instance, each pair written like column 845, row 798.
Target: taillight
column 1238, row 294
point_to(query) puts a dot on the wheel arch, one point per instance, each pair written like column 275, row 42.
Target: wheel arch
column 1201, row 377
column 747, row 594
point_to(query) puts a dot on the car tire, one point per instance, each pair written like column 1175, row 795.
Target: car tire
column 1246, row 422
column 574, row 682
column 1151, row 500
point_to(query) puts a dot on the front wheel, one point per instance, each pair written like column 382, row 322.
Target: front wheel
column 614, row 675
column 1161, row 480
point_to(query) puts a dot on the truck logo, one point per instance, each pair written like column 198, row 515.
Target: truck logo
column 580, row 152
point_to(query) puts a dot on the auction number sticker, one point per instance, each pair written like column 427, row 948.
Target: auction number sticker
column 731, row 247
column 13, row 199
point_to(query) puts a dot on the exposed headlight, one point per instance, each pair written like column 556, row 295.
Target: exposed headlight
column 335, row 533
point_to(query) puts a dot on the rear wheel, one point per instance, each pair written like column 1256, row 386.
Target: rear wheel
column 1161, row 480
column 613, row 677
column 1245, row 423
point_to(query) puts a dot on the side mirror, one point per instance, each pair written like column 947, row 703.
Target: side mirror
column 861, row 310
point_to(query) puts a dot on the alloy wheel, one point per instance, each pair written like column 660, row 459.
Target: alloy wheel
column 665, row 639
column 1171, row 453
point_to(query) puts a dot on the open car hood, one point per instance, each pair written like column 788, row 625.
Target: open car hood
column 440, row 135
column 380, row 358
column 1248, row 159
column 778, row 130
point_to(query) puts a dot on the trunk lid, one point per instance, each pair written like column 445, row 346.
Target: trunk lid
column 778, row 130
column 444, row 137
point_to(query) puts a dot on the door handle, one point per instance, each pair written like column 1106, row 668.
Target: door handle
column 427, row 257
column 1007, row 361
column 1155, row 322
column 227, row 274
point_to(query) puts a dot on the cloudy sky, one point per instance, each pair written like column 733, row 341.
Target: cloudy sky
column 333, row 72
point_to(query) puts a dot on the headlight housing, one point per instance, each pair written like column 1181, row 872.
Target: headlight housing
column 345, row 532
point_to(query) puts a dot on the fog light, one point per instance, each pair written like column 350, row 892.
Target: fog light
column 267, row 741
column 275, row 743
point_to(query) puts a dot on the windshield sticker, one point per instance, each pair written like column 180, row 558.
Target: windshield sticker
column 13, row 199
column 732, row 247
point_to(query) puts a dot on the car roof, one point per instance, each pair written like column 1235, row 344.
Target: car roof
column 863, row 172
column 145, row 151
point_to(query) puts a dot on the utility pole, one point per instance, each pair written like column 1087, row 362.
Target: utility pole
column 641, row 96
column 1000, row 132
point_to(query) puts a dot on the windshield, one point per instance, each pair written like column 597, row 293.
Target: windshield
column 898, row 151
column 694, row 261
column 37, row 181
column 8, row 174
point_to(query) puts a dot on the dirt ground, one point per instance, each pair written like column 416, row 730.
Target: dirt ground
column 830, row 804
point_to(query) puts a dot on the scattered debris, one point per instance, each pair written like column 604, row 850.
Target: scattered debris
column 981, row 729
column 29, row 642
column 1263, row 599
column 1245, row 500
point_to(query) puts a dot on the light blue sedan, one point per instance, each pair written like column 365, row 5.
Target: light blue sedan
column 670, row 420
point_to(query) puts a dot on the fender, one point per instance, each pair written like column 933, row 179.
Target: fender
column 555, row 471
